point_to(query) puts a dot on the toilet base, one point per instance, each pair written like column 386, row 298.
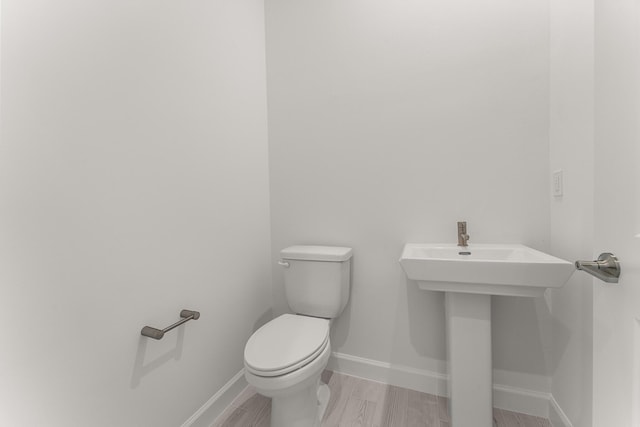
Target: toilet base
column 299, row 398
column 305, row 408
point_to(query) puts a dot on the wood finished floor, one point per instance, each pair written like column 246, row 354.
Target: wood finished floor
column 357, row 402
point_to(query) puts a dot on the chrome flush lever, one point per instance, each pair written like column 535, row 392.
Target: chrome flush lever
column 285, row 264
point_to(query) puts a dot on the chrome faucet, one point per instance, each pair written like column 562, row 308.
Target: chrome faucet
column 463, row 237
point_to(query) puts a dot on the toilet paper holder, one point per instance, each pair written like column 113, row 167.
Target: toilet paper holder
column 157, row 334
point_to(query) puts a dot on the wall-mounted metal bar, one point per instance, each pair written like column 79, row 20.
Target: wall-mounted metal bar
column 605, row 268
column 157, row 334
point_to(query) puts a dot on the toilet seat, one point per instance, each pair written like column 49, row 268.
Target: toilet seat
column 286, row 344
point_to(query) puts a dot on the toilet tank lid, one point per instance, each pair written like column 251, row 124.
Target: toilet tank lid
column 316, row 253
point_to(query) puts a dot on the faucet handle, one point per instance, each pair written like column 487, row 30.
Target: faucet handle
column 463, row 237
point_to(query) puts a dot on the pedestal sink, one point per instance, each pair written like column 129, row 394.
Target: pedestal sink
column 469, row 276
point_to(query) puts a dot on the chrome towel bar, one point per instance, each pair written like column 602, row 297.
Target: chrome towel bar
column 157, row 334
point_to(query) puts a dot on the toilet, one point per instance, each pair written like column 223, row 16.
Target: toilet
column 284, row 359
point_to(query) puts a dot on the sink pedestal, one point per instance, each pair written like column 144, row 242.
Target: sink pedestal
column 469, row 354
column 469, row 276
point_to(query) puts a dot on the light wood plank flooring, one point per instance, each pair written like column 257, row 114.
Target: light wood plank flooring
column 356, row 402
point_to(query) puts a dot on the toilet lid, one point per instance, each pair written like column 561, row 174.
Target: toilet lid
column 285, row 344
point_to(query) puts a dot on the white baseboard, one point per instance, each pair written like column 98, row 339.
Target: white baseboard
column 521, row 400
column 388, row 373
column 504, row 397
column 515, row 399
column 557, row 416
column 213, row 408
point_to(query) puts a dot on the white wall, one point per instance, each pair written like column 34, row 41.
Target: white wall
column 390, row 121
column 133, row 183
column 572, row 150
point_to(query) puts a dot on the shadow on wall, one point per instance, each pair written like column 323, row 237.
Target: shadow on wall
column 340, row 334
column 162, row 352
column 423, row 306
column 523, row 332
column 562, row 335
column 263, row 319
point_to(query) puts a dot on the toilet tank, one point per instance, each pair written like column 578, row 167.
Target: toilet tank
column 317, row 279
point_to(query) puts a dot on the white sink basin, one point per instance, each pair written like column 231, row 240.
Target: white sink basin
column 490, row 269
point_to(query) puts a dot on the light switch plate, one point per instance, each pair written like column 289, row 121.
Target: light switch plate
column 557, row 183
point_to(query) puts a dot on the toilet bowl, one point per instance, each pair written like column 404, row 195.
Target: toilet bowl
column 285, row 358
